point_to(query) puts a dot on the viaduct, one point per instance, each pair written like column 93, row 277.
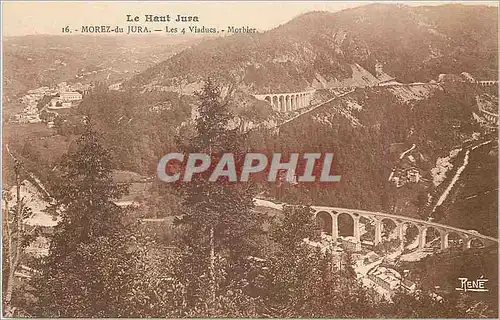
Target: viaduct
column 490, row 116
column 330, row 216
column 487, row 83
column 286, row 102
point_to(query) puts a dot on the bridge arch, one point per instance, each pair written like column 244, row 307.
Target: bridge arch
column 325, row 221
column 431, row 236
column 346, row 224
column 410, row 234
column 369, row 226
column 453, row 240
column 388, row 227
column 474, row 243
column 275, row 102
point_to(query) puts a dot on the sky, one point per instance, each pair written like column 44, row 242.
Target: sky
column 49, row 17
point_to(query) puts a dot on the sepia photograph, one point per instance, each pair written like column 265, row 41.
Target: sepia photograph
column 250, row 159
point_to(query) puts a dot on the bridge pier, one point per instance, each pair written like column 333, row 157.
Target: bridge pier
column 401, row 235
column 378, row 231
column 444, row 240
column 357, row 235
column 468, row 242
column 335, row 226
column 422, row 234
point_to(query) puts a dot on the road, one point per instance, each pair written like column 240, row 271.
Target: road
column 459, row 171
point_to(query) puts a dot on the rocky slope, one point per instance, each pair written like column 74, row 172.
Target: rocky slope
column 322, row 49
column 383, row 138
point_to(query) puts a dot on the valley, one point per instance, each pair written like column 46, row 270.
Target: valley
column 404, row 97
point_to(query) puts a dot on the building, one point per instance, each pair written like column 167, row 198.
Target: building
column 33, row 118
column 15, row 118
column 408, row 286
column 79, row 87
column 41, row 90
column 413, row 175
column 25, row 118
column 115, row 86
column 62, row 87
column 404, row 175
column 348, row 243
column 70, row 96
column 371, row 257
column 53, row 102
column 387, row 278
column 57, row 103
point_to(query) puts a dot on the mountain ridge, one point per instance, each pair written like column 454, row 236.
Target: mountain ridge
column 412, row 44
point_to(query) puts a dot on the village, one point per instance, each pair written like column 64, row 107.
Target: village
column 49, row 99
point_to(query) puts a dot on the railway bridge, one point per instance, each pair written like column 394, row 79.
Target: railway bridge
column 487, row 83
column 330, row 218
column 490, row 116
column 286, row 102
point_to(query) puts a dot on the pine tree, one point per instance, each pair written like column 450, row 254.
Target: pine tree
column 87, row 271
column 219, row 224
column 15, row 239
column 291, row 266
column 304, row 281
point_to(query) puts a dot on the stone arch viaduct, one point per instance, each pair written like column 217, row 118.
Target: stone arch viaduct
column 490, row 116
column 444, row 231
column 286, row 102
column 487, row 83
column 377, row 218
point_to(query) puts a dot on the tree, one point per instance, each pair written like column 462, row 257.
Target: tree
column 387, row 246
column 17, row 239
column 30, row 152
column 219, row 227
column 289, row 266
column 297, row 224
column 88, row 268
column 303, row 281
column 421, row 304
